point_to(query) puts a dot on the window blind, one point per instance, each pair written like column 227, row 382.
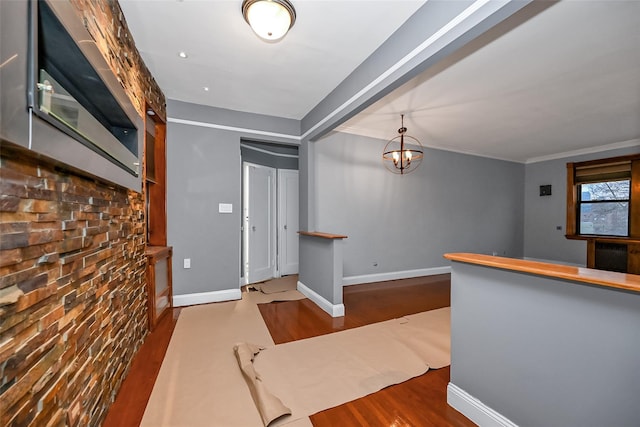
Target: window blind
column 605, row 172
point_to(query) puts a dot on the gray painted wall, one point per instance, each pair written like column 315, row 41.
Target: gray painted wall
column 204, row 169
column 238, row 121
column 307, row 186
column 541, row 351
column 543, row 214
column 451, row 203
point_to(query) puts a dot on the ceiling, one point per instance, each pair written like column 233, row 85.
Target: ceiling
column 244, row 73
column 563, row 79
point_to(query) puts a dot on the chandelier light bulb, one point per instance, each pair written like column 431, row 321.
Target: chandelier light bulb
column 396, row 157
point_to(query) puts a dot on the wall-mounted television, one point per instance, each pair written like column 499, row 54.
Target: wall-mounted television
column 60, row 97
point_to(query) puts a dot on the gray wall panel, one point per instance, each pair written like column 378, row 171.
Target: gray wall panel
column 222, row 116
column 541, row 351
column 203, row 169
column 452, row 203
column 318, row 267
column 307, row 186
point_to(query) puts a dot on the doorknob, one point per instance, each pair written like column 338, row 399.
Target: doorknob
column 253, row 228
column 285, row 227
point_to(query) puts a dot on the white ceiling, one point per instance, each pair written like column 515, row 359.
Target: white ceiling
column 567, row 79
column 285, row 79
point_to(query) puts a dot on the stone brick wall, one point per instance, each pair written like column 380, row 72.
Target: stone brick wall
column 72, row 292
column 73, row 302
column 107, row 25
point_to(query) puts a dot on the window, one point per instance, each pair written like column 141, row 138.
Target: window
column 603, row 208
column 601, row 199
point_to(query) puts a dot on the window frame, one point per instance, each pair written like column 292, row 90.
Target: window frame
column 580, row 203
column 603, row 172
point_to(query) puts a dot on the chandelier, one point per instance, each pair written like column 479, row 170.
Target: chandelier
column 402, row 154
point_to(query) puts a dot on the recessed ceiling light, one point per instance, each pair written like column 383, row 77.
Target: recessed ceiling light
column 206, row 89
column 182, row 54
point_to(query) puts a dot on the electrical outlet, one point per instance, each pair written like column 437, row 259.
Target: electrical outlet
column 187, row 263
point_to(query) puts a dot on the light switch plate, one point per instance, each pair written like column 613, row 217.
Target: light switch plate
column 225, row 208
column 187, row 263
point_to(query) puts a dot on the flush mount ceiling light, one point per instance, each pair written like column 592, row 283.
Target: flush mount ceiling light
column 402, row 154
column 269, row 19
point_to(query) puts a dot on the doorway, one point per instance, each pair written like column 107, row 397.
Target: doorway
column 269, row 212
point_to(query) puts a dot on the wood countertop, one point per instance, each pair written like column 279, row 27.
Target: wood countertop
column 321, row 235
column 630, row 282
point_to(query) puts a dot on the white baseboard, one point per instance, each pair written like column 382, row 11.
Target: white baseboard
column 474, row 409
column 334, row 310
column 394, row 275
column 206, row 297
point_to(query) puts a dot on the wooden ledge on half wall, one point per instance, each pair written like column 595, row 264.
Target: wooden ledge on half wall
column 611, row 279
column 322, row 235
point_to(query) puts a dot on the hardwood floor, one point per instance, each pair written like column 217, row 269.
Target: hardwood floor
column 364, row 304
column 129, row 406
column 421, row 401
column 418, row 402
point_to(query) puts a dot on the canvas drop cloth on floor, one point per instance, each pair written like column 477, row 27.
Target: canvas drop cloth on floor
column 282, row 289
column 201, row 384
column 315, row 374
column 273, row 286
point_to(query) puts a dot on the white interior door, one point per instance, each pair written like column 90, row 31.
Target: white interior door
column 260, row 222
column 288, row 221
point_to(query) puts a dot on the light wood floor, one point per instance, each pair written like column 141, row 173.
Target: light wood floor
column 418, row 402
